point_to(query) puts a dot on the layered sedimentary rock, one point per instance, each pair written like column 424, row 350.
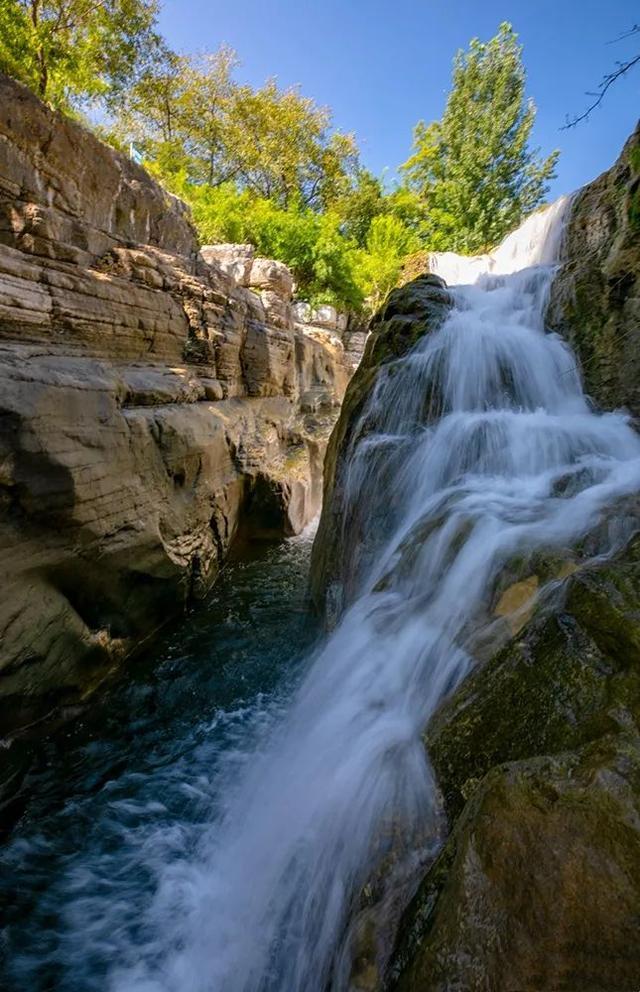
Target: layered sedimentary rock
column 153, row 400
column 595, row 300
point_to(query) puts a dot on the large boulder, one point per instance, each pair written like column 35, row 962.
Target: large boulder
column 325, row 316
column 537, row 755
column 539, row 885
column 235, row 260
column 409, row 313
column 267, row 274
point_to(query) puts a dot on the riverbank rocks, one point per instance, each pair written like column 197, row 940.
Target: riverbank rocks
column 539, row 884
column 537, row 755
column 416, row 309
column 155, row 400
column 595, row 298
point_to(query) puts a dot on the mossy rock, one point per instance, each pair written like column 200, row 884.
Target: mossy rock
column 537, row 754
column 410, row 312
column 571, row 675
column 595, row 298
column 538, row 887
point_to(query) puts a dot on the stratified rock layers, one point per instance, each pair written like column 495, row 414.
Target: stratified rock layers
column 152, row 402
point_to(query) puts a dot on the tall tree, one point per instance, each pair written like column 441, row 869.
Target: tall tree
column 474, row 168
column 69, row 51
column 178, row 113
column 283, row 149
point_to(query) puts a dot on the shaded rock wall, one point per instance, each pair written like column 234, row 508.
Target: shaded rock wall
column 151, row 404
column 595, row 299
column 409, row 312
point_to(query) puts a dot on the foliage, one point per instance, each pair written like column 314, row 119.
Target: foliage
column 71, row 51
column 310, row 243
column 276, row 143
column 264, row 165
column 378, row 266
column 474, row 169
column 359, row 204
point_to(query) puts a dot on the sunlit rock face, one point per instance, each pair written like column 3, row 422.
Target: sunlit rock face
column 153, row 400
column 595, row 299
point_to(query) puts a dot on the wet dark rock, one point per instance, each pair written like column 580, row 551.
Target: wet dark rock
column 595, row 298
column 410, row 312
column 537, row 755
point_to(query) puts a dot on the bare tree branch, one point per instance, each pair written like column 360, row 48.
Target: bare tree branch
column 622, row 68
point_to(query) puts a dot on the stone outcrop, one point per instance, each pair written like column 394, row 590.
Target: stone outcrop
column 538, row 758
column 409, row 312
column 154, row 400
column 595, row 299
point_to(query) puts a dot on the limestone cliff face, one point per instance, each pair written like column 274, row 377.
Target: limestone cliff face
column 152, row 402
column 595, row 299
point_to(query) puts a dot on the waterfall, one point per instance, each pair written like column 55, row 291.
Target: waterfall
column 483, row 447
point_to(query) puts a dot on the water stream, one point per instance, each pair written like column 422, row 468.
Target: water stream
column 201, row 866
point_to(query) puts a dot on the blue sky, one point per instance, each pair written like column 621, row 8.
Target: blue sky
column 381, row 66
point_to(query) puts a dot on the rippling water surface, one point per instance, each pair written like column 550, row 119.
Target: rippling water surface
column 111, row 802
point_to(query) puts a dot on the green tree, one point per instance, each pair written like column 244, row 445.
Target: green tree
column 281, row 147
column 179, row 113
column 71, row 51
column 474, row 169
column 357, row 205
column 276, row 143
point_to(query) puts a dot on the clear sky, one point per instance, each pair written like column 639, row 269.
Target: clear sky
column 381, row 65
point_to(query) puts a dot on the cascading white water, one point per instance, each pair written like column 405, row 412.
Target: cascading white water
column 515, row 461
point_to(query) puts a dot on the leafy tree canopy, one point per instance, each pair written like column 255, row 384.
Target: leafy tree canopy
column 276, row 143
column 474, row 168
column 265, row 164
column 73, row 51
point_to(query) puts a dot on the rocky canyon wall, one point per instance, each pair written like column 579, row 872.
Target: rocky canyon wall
column 154, row 399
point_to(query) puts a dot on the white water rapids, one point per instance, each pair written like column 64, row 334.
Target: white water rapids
column 515, row 461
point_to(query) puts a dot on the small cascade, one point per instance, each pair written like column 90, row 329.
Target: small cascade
column 484, row 448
